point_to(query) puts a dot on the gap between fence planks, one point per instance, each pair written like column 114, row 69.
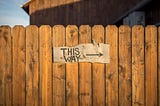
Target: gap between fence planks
column 28, row 76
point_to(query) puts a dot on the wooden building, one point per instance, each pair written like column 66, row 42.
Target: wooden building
column 78, row 12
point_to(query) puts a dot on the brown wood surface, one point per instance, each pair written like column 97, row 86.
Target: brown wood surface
column 32, row 10
column 5, row 66
column 112, row 67
column 98, row 70
column 125, row 66
column 72, row 69
column 138, row 66
column 28, row 76
column 32, row 67
column 85, row 83
column 58, row 68
column 18, row 81
column 46, row 83
column 159, row 65
column 151, row 65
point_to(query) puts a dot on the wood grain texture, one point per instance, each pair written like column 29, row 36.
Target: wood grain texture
column 46, row 84
column 32, row 10
column 112, row 67
column 72, row 68
column 85, row 83
column 98, row 70
column 58, row 68
column 138, row 66
column 151, row 65
column 18, row 80
column 159, row 65
column 125, row 66
column 5, row 66
column 32, row 60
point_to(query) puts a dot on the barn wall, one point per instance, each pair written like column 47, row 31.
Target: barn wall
column 78, row 11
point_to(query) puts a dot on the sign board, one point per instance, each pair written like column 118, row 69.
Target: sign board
column 82, row 53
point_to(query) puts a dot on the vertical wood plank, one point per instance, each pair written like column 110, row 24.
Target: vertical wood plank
column 58, row 68
column 5, row 66
column 18, row 82
column 151, row 65
column 112, row 67
column 72, row 68
column 45, row 66
column 85, row 90
column 124, row 66
column 2, row 66
column 98, row 70
column 32, row 66
column 159, row 65
column 137, row 66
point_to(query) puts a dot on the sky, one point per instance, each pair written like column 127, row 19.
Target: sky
column 12, row 14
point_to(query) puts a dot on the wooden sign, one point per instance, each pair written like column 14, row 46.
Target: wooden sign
column 82, row 53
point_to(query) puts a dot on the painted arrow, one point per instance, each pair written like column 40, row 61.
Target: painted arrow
column 100, row 54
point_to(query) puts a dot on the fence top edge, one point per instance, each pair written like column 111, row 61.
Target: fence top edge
column 109, row 25
column 58, row 26
column 35, row 26
column 151, row 26
column 84, row 26
column 72, row 26
column 98, row 26
column 18, row 26
column 138, row 26
column 5, row 26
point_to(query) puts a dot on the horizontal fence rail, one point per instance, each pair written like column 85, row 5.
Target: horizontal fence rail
column 28, row 76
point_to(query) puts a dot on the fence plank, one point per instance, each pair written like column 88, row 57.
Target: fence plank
column 124, row 66
column 137, row 66
column 32, row 66
column 58, row 68
column 98, row 70
column 5, row 66
column 2, row 66
column 18, row 81
column 72, row 69
column 85, row 90
column 112, row 67
column 151, row 65
column 45, row 66
column 159, row 65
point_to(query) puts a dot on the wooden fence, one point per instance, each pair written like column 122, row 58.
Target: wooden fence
column 29, row 78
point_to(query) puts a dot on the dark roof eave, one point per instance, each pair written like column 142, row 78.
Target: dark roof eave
column 26, row 9
column 25, row 6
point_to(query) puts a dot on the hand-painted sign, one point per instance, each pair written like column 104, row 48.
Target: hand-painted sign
column 82, row 53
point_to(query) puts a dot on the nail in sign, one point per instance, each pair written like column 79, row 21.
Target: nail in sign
column 82, row 53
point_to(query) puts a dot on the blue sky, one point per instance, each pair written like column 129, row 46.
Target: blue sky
column 12, row 14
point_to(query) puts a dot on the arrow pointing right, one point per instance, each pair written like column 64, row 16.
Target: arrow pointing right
column 100, row 54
